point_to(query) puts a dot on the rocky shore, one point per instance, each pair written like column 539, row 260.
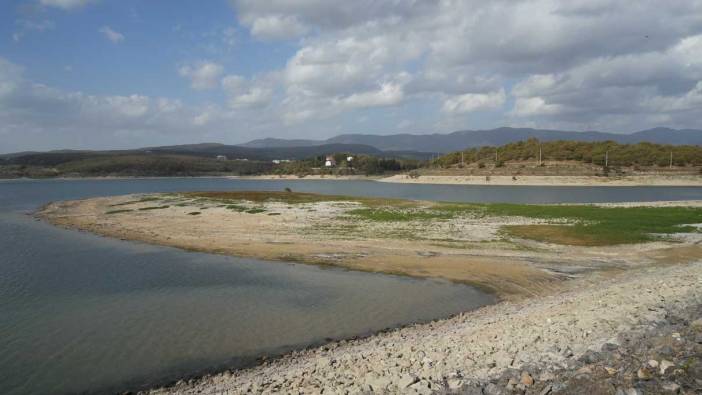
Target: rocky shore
column 637, row 333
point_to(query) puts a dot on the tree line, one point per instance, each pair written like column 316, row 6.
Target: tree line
column 599, row 153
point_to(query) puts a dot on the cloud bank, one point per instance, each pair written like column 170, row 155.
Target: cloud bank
column 417, row 65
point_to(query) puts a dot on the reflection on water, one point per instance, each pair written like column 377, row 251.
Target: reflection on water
column 80, row 313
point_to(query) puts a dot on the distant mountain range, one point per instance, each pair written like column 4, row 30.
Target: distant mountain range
column 415, row 146
column 208, row 150
column 459, row 140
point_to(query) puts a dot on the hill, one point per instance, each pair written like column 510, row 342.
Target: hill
column 443, row 143
column 193, row 160
column 598, row 153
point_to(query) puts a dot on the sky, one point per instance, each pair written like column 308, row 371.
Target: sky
column 99, row 74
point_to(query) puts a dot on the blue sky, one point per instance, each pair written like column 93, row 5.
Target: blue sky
column 130, row 73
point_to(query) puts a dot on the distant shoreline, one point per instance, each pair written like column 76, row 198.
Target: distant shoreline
column 496, row 180
column 645, row 180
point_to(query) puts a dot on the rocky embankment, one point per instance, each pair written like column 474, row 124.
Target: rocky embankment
column 632, row 333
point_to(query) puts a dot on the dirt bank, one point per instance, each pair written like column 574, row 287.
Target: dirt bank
column 645, row 180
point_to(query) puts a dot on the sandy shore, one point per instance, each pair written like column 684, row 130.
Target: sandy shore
column 542, row 325
column 648, row 180
column 470, row 249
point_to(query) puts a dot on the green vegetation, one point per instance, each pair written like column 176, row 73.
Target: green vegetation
column 153, row 208
column 118, row 211
column 641, row 154
column 396, row 215
column 142, row 200
column 585, row 225
column 194, row 213
column 129, row 164
column 360, row 165
column 232, row 199
column 595, row 226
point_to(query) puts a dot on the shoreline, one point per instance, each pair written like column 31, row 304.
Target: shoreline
column 564, row 181
column 495, row 180
column 539, row 323
column 547, row 337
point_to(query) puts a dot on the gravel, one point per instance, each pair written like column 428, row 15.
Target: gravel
column 595, row 337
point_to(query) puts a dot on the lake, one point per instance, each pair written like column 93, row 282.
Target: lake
column 82, row 313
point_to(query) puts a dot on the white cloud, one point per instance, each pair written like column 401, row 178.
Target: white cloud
column 111, row 34
column 248, row 94
column 535, row 106
column 471, row 102
column 277, row 27
column 579, row 62
column 65, row 4
column 203, row 75
column 388, row 94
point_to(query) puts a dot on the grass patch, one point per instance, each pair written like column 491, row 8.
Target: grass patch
column 584, row 225
column 397, row 215
column 598, row 226
column 295, row 198
column 273, row 213
column 142, row 200
column 118, row 211
column 195, row 213
column 153, row 208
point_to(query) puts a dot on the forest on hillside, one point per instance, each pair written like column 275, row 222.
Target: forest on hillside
column 597, row 153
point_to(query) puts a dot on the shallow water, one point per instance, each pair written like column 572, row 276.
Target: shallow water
column 81, row 313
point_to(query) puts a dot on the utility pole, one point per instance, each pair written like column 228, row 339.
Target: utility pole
column 463, row 163
column 671, row 159
column 606, row 158
column 495, row 155
column 539, row 154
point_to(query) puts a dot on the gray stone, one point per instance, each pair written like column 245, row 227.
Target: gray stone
column 547, row 390
column 406, row 380
column 665, row 365
column 670, row 388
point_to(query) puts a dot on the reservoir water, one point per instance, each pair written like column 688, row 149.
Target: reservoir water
column 82, row 313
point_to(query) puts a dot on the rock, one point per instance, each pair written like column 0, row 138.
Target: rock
column 379, row 384
column 511, row 383
column 422, row 387
column 527, row 379
column 610, row 371
column 644, row 374
column 665, row 365
column 670, row 388
column 407, row 380
column 547, row 376
column 653, row 363
column 492, row 389
column 547, row 390
column 629, row 391
column 454, row 383
column 324, row 361
column 697, row 324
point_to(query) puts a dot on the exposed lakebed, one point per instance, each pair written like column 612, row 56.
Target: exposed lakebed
column 84, row 313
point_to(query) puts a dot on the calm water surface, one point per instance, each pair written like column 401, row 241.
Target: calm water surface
column 81, row 313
